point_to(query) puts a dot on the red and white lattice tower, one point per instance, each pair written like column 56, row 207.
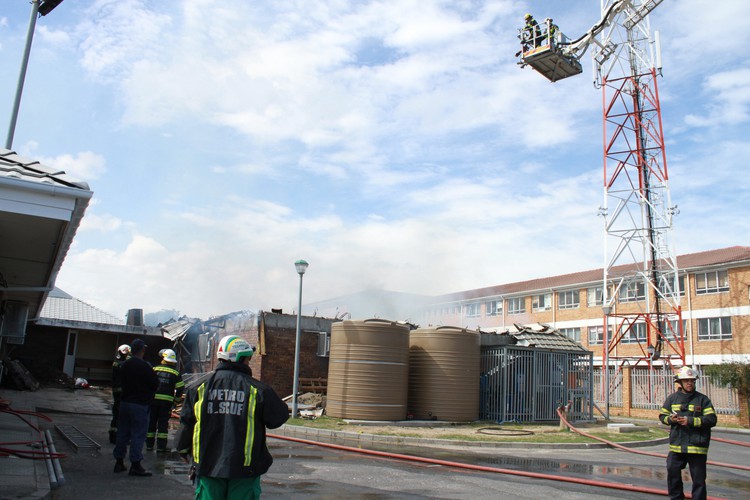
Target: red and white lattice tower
column 641, row 287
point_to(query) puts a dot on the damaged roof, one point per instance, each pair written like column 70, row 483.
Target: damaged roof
column 542, row 336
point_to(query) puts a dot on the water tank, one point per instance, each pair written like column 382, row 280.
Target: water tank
column 444, row 374
column 368, row 370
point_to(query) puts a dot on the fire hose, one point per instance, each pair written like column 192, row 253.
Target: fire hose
column 45, row 453
column 640, row 452
column 482, row 468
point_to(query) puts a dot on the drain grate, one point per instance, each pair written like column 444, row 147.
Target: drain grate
column 76, row 438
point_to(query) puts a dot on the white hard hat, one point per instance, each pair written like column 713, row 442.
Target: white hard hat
column 234, row 348
column 686, row 373
column 168, row 355
column 124, row 349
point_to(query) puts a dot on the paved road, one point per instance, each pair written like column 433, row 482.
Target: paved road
column 305, row 471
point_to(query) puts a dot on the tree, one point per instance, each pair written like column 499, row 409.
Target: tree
column 737, row 375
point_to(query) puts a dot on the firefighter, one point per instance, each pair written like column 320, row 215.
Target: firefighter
column 534, row 33
column 690, row 415
column 121, row 355
column 552, row 30
column 223, row 426
column 167, row 395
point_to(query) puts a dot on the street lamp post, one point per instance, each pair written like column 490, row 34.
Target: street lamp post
column 301, row 267
column 38, row 7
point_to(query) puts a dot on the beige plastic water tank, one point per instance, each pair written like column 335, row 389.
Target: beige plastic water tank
column 368, row 370
column 444, row 374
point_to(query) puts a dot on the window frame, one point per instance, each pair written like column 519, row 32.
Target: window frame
column 576, row 331
column 518, row 301
column 625, row 293
column 493, row 307
column 723, row 322
column 562, row 300
column 473, row 310
column 324, row 345
column 706, row 289
column 546, row 299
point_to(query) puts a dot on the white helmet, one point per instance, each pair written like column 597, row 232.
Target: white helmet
column 686, row 373
column 234, row 348
column 168, row 355
column 124, row 349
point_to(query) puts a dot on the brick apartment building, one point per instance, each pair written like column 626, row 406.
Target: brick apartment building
column 714, row 298
column 715, row 301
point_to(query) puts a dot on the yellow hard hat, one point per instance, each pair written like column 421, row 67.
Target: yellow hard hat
column 528, row 16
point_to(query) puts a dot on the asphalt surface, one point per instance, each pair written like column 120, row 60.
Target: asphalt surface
column 311, row 471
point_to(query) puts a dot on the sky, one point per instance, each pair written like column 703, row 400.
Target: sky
column 392, row 144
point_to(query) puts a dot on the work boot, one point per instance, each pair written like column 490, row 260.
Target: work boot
column 113, row 437
column 120, row 466
column 136, row 469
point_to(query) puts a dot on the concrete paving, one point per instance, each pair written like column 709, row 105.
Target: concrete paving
column 87, row 471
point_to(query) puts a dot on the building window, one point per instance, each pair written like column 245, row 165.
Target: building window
column 669, row 329
column 324, row 344
column 596, row 335
column 666, row 286
column 494, row 308
column 595, row 296
column 636, row 333
column 568, row 299
column 473, row 310
column 715, row 328
column 541, row 302
column 711, row 282
column 632, row 292
column 517, row 305
column 572, row 333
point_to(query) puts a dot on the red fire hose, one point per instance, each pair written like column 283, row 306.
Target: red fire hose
column 631, row 450
column 536, row 475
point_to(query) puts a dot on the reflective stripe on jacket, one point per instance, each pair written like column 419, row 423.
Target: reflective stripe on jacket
column 695, row 437
column 224, row 422
column 170, row 384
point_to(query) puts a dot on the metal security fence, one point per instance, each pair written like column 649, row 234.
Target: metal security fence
column 651, row 387
column 525, row 384
column 615, row 387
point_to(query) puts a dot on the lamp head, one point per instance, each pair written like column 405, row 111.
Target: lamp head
column 301, row 266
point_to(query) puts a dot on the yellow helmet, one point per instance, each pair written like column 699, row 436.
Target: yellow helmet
column 528, row 16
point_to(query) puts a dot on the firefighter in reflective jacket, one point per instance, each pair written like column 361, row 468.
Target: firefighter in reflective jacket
column 223, row 426
column 167, row 395
column 690, row 415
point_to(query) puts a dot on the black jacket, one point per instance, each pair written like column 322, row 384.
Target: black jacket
column 139, row 381
column 696, row 436
column 224, row 422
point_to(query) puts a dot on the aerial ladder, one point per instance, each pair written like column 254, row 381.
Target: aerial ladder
column 640, row 287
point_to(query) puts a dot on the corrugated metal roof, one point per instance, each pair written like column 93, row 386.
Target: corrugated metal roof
column 730, row 255
column 62, row 306
column 14, row 166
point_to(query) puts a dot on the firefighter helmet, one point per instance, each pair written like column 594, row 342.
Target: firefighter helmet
column 527, row 16
column 685, row 373
column 168, row 355
column 234, row 348
column 124, row 349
